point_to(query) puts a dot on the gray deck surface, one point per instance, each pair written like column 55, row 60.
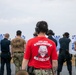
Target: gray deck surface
column 64, row 70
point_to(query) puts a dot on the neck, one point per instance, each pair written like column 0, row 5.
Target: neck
column 6, row 37
column 18, row 36
column 41, row 34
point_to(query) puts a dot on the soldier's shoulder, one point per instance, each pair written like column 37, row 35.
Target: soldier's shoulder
column 13, row 39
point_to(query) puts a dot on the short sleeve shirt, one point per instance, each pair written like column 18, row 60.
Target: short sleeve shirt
column 18, row 44
column 40, row 51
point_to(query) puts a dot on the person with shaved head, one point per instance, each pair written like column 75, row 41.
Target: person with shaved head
column 5, row 54
column 22, row 72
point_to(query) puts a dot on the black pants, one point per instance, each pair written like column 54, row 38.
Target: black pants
column 30, row 70
column 5, row 59
column 64, row 57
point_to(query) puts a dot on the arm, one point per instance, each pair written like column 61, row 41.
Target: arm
column 24, row 64
column 11, row 49
column 54, row 60
column 24, row 45
column 54, row 66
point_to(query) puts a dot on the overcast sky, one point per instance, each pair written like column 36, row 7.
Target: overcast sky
column 24, row 14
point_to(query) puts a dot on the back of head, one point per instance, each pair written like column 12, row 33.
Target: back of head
column 22, row 72
column 18, row 33
column 35, row 34
column 66, row 34
column 50, row 32
column 41, row 26
column 6, row 35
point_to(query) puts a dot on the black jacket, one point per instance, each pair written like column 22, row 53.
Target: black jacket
column 51, row 38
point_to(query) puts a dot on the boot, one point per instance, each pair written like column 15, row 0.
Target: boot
column 70, row 73
column 58, row 73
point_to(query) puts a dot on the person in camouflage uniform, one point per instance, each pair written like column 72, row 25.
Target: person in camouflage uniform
column 17, row 47
column 43, row 72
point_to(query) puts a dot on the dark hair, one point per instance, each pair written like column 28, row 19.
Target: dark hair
column 18, row 32
column 66, row 34
column 50, row 32
column 35, row 34
column 41, row 26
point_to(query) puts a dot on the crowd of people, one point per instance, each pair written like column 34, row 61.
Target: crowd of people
column 37, row 56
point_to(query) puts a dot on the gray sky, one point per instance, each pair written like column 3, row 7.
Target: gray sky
column 24, row 14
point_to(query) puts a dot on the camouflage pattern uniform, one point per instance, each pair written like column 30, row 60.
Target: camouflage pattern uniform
column 17, row 59
column 17, row 46
column 43, row 72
